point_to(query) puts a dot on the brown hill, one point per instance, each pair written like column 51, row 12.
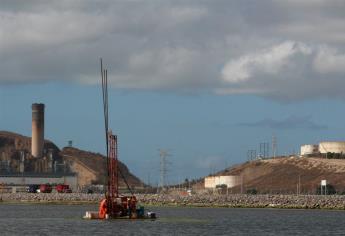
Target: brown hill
column 13, row 146
column 12, row 143
column 282, row 175
column 97, row 163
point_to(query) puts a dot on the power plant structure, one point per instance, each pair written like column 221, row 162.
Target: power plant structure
column 323, row 148
column 32, row 161
column 211, row 182
column 37, row 139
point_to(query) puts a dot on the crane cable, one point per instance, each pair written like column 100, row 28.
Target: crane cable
column 104, row 77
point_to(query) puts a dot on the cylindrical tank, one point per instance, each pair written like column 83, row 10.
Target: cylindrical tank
column 333, row 147
column 309, row 149
column 37, row 140
column 230, row 181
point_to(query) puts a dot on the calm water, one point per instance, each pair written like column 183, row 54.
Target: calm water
column 66, row 220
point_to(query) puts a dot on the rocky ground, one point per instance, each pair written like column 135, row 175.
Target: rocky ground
column 200, row 200
column 250, row 201
column 51, row 197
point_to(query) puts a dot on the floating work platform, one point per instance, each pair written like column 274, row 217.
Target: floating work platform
column 114, row 206
column 94, row 215
column 91, row 215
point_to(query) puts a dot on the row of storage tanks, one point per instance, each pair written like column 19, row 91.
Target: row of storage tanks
column 323, row 148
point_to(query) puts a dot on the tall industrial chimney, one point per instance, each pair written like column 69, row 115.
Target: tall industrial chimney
column 37, row 140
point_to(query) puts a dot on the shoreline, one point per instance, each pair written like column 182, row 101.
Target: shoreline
column 329, row 202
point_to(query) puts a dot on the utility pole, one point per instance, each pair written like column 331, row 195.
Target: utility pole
column 163, row 154
column 274, row 146
column 148, row 179
column 241, row 183
column 299, row 184
column 264, row 152
column 251, row 155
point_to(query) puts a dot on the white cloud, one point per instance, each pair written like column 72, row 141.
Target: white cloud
column 329, row 61
column 289, row 70
column 268, row 62
column 268, row 48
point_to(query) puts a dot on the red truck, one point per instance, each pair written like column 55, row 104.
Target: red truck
column 63, row 188
column 45, row 188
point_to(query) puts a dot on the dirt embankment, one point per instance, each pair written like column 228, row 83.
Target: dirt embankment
column 288, row 175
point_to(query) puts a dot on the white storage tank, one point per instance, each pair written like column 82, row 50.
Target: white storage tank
column 210, row 182
column 333, row 147
column 228, row 180
column 309, row 149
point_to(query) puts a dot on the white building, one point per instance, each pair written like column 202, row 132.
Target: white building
column 309, row 149
column 333, row 147
column 230, row 181
column 323, row 148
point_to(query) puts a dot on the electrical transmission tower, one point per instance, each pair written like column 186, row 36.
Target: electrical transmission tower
column 163, row 154
column 251, row 155
column 264, row 150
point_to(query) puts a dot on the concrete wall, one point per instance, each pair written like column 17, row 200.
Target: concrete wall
column 309, row 149
column 26, row 180
column 230, row 181
column 334, row 147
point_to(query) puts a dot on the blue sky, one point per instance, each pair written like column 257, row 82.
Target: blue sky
column 207, row 80
column 202, row 132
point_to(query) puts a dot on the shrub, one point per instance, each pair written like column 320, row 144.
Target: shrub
column 251, row 191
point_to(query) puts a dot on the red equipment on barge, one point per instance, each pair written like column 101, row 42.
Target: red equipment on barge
column 114, row 206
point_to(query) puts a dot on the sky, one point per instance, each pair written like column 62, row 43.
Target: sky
column 205, row 80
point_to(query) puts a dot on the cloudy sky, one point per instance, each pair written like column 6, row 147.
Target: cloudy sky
column 207, row 80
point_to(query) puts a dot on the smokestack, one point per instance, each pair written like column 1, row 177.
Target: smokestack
column 37, row 140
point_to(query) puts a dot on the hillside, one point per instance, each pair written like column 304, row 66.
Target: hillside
column 12, row 143
column 97, row 163
column 282, row 175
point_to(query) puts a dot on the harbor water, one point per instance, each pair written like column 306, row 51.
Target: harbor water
column 43, row 219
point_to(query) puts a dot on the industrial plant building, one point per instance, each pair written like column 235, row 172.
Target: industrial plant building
column 323, row 148
column 230, row 181
column 19, row 166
